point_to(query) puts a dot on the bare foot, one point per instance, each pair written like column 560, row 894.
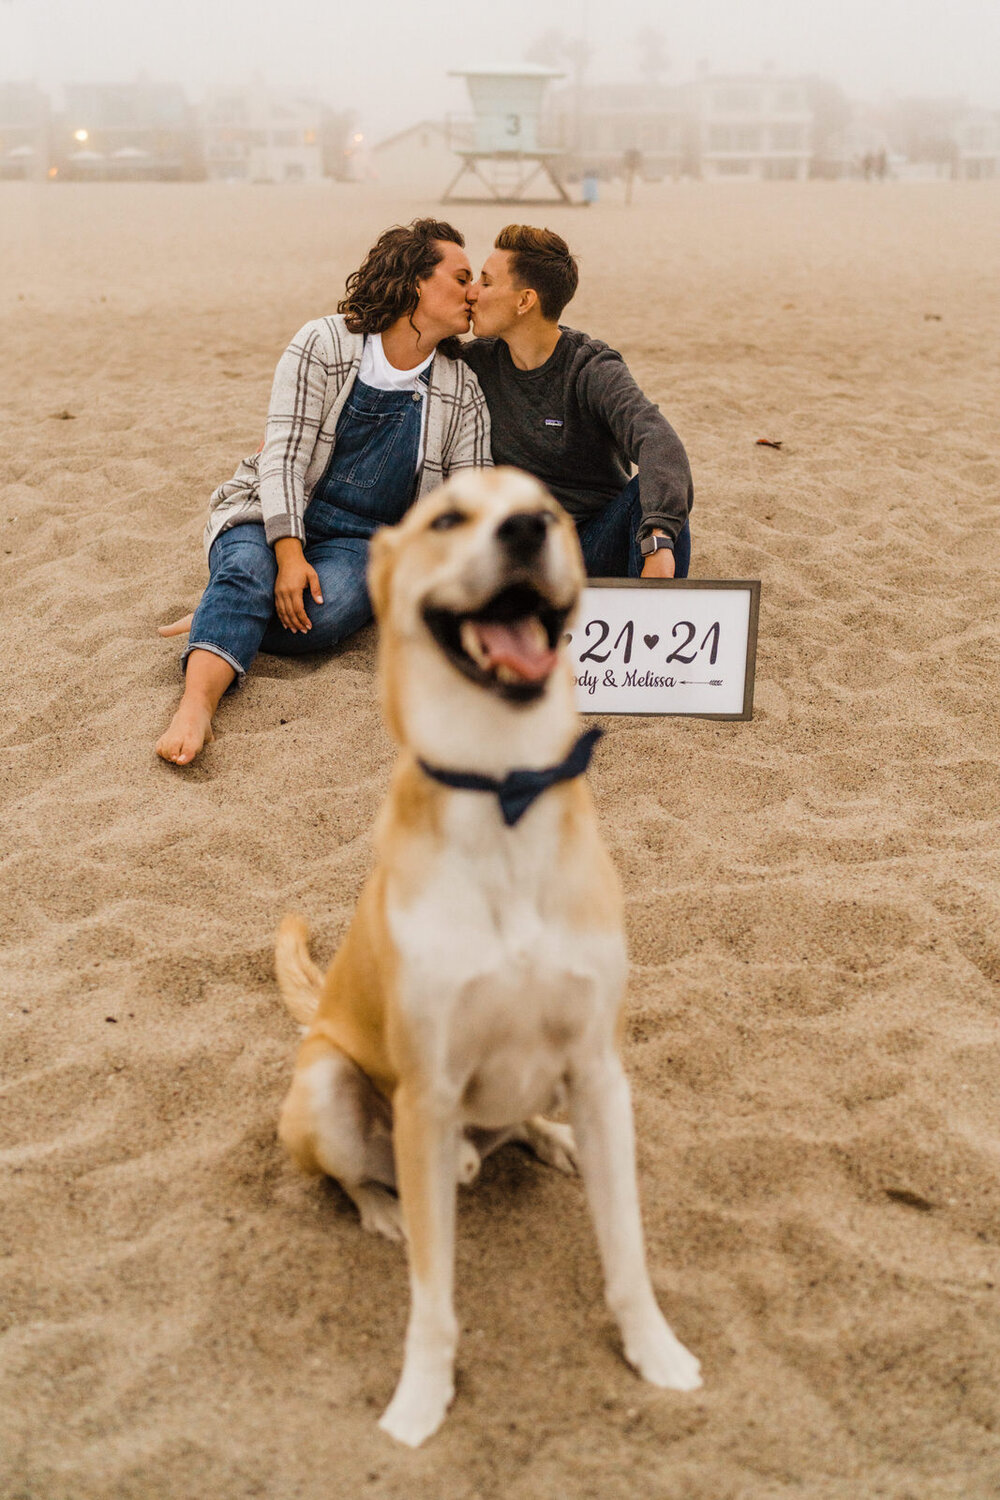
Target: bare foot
column 206, row 679
column 177, row 627
column 190, row 729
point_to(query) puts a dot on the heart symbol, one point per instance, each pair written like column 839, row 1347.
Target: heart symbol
column 651, row 640
column 567, row 637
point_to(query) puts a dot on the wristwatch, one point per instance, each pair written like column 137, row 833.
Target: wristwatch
column 651, row 544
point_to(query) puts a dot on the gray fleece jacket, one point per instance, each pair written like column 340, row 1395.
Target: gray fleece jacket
column 577, row 423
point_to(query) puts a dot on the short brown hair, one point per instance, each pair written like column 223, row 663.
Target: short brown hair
column 540, row 259
column 384, row 288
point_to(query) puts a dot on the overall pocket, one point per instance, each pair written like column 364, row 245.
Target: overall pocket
column 365, row 446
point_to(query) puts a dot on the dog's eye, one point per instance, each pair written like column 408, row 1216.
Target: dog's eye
column 447, row 519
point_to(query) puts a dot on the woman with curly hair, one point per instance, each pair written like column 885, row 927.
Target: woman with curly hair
column 369, row 409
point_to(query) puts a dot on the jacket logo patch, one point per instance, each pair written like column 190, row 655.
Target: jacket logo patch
column 553, row 421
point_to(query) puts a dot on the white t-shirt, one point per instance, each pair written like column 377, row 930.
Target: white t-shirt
column 377, row 372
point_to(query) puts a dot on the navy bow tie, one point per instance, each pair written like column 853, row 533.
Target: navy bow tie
column 519, row 789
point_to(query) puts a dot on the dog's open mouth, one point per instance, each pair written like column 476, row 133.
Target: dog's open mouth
column 509, row 644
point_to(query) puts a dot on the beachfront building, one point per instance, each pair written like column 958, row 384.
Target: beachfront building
column 253, row 135
column 418, row 160
column 977, row 146
column 754, row 126
column 132, row 131
column 609, row 126
column 24, row 131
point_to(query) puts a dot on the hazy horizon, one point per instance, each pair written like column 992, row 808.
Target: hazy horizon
column 389, row 64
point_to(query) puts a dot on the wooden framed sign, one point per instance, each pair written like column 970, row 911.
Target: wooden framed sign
column 666, row 646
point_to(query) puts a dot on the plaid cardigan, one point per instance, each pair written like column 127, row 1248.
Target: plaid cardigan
column 313, row 380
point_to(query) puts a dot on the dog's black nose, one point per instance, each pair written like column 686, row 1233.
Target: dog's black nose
column 523, row 533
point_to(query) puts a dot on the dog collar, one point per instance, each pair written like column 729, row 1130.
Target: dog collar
column 518, row 790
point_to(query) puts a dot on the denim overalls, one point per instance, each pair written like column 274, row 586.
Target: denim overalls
column 371, row 477
column 371, row 481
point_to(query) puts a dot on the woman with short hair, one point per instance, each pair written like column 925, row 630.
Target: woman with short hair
column 369, row 409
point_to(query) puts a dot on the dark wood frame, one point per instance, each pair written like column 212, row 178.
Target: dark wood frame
column 750, row 669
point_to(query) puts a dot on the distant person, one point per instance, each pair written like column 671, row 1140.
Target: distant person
column 631, row 165
column 369, row 408
column 564, row 407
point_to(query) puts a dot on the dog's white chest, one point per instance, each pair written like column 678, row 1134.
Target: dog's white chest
column 513, row 1026
column 499, row 987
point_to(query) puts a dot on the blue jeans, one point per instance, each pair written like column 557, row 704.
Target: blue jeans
column 235, row 618
column 610, row 549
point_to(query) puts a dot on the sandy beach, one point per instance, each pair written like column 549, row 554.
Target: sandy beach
column 813, row 897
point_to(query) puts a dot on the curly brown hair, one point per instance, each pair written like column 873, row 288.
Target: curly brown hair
column 384, row 288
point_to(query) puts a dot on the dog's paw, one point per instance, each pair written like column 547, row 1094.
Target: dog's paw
column 662, row 1359
column 469, row 1162
column 417, row 1410
column 553, row 1144
column 380, row 1212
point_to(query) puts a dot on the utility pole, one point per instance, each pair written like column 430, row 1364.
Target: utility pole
column 582, row 53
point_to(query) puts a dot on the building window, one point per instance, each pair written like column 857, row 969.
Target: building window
column 734, row 138
column 736, row 101
column 659, row 135
column 781, row 171
column 786, row 137
column 228, row 112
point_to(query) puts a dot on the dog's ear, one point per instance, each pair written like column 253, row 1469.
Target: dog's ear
column 381, row 558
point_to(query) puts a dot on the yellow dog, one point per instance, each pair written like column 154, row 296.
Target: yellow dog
column 481, row 979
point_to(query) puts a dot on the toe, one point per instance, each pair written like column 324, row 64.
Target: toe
column 665, row 1362
column 186, row 736
column 176, row 627
column 469, row 1162
column 553, row 1144
column 380, row 1213
column 414, row 1415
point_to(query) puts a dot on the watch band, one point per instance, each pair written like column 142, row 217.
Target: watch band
column 651, row 544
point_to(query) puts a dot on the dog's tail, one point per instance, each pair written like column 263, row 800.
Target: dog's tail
column 299, row 980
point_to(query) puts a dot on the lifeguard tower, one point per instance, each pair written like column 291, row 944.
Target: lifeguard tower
column 502, row 145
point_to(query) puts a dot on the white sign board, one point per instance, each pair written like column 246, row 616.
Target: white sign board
column 666, row 646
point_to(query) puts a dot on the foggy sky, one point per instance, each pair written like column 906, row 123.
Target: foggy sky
column 388, row 59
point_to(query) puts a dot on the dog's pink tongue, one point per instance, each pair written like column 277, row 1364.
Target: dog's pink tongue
column 521, row 646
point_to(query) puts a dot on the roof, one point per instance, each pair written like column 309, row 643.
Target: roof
column 401, row 135
column 522, row 70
